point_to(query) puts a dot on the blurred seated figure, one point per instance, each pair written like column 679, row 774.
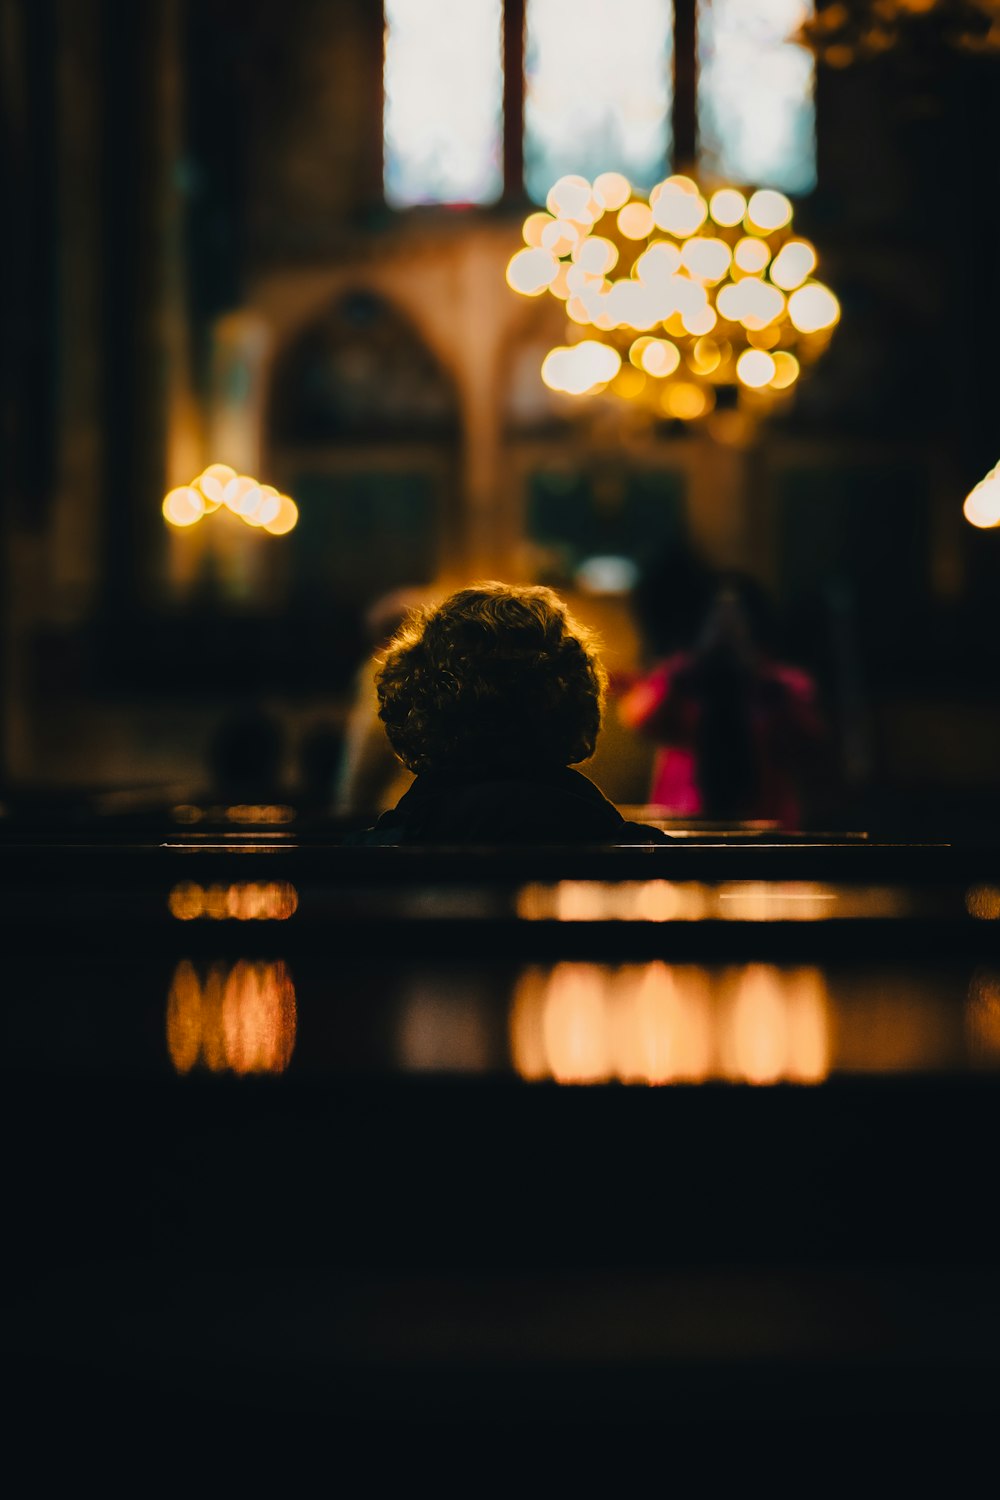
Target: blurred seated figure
column 738, row 731
column 489, row 698
column 369, row 777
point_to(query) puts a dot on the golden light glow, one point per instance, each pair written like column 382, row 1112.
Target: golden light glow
column 286, row 519
column 706, row 259
column 560, row 237
column 531, row 271
column 533, row 228
column 769, row 210
column 983, row 902
column 240, row 1019
column 243, row 901
column 580, row 368
column 793, row 263
column 635, row 221
column 184, row 506
column 705, row 357
column 656, row 1024
column 660, row 357
column 813, row 307
column 612, row 189
column 258, row 505
column 596, row 255
column 678, row 207
column 751, row 254
column 655, row 271
column 727, row 207
column 570, row 198
column 982, row 504
column 786, row 370
column 685, row 401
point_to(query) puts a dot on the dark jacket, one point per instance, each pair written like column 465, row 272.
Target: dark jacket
column 505, row 806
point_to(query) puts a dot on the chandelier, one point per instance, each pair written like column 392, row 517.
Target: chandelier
column 673, row 300
column 842, row 32
column 220, row 487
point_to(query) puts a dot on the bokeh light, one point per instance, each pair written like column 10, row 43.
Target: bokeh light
column 982, row 504
column 734, row 305
column 219, row 486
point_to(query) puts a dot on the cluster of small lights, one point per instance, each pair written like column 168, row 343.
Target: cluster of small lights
column 708, row 291
column 982, row 504
column 245, row 901
column 259, row 505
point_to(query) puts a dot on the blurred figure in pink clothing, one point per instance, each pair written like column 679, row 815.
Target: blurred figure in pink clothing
column 739, row 732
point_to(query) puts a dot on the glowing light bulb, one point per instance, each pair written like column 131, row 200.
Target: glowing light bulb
column 560, row 237
column 761, row 304
column 212, row 484
column 184, row 506
column 580, row 368
column 533, row 228
column 786, row 370
column 813, row 308
column 755, row 368
column 793, row 263
column 635, row 221
column 678, row 211
column 727, row 207
column 657, row 265
column 569, row 198
column 982, row 505
column 660, row 357
column 531, row 271
column 706, row 259
column 286, row 518
column 769, row 210
column 612, row 189
column 595, row 255
column 751, row 255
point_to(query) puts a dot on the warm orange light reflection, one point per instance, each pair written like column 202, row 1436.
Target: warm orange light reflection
column 657, row 1023
column 243, row 901
column 238, row 1019
column 695, row 901
column 983, row 1015
column 983, row 901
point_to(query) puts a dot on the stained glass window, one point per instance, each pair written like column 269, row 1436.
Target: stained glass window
column 597, row 90
column 443, row 102
column 756, row 115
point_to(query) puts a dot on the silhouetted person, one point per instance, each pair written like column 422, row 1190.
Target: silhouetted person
column 490, row 698
column 737, row 729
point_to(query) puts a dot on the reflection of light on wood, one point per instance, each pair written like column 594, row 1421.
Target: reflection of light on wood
column 244, row 901
column 657, row 1023
column 755, row 1043
column 983, row 901
column 527, row 1035
column 662, row 1025
column 982, row 1015
column 734, row 901
column 575, row 1024
column 240, row 1019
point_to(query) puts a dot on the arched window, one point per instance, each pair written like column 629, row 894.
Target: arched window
column 485, row 99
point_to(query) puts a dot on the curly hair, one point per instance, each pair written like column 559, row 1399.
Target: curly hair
column 493, row 676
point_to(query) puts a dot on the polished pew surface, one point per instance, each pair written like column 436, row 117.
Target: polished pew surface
column 399, row 1221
